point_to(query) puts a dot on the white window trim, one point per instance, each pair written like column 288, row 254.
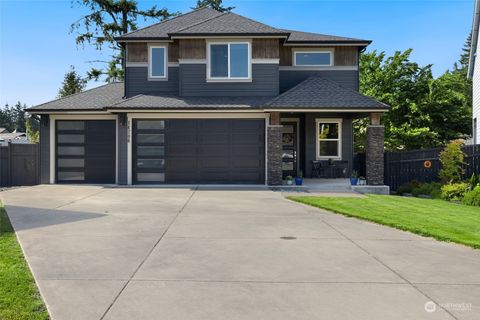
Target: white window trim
column 229, row 78
column 330, row 51
column 317, row 127
column 165, row 61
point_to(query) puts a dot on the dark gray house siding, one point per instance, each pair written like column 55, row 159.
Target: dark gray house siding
column 193, row 82
column 45, row 149
column 136, row 82
column 311, row 142
column 346, row 78
column 122, row 132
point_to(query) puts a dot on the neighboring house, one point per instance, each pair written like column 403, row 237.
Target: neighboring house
column 213, row 97
column 474, row 73
column 3, row 130
column 14, row 137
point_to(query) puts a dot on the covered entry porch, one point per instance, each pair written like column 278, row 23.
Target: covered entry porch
column 319, row 146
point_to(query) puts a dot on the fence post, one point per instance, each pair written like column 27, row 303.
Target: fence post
column 9, row 161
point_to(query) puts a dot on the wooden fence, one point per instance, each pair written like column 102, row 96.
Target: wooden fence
column 19, row 165
column 401, row 167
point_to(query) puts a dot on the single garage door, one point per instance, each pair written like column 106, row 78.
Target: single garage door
column 85, row 151
column 223, row 151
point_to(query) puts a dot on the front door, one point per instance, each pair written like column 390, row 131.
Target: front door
column 289, row 148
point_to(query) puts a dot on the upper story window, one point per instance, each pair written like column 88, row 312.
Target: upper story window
column 228, row 61
column 313, row 58
column 157, row 62
column 329, row 138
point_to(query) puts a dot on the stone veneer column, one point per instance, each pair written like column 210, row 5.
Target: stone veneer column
column 374, row 154
column 274, row 150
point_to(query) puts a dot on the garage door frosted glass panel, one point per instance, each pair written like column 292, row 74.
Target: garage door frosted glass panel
column 70, row 125
column 150, row 124
column 71, row 138
column 150, row 138
column 150, row 151
column 150, row 163
column 71, row 176
column 71, row 163
column 71, row 151
column 150, row 177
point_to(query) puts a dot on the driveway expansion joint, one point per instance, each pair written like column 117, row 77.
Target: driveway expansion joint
column 392, row 270
column 149, row 253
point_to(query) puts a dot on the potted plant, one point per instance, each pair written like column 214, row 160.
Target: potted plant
column 354, row 178
column 299, row 179
column 362, row 181
column 289, row 180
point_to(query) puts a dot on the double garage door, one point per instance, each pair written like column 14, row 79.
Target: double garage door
column 186, row 151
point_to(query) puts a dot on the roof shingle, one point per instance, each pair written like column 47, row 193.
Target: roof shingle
column 162, row 29
column 207, row 21
column 93, row 99
column 229, row 23
column 320, row 93
column 174, row 102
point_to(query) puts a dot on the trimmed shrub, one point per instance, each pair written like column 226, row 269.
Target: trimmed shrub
column 432, row 189
column 407, row 187
column 472, row 197
column 453, row 163
column 454, row 191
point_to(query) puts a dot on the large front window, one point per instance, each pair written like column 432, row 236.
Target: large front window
column 229, row 61
column 329, row 138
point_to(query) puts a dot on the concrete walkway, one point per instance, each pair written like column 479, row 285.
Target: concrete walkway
column 153, row 253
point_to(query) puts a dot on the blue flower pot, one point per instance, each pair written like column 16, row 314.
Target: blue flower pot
column 298, row 181
column 353, row 181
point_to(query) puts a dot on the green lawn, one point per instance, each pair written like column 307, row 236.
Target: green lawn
column 19, row 297
column 439, row 219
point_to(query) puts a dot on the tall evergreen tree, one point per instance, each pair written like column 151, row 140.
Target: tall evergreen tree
column 72, row 83
column 106, row 20
column 214, row 4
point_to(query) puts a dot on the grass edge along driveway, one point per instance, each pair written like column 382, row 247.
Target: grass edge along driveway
column 438, row 219
column 19, row 296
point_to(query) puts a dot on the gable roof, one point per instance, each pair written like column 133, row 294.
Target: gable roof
column 94, row 99
column 317, row 92
column 209, row 22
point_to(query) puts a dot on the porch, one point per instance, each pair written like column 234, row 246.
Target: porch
column 319, row 146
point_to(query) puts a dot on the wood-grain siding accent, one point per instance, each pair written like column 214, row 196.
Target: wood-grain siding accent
column 265, row 49
column 343, row 56
column 192, row 49
column 173, row 51
column 138, row 51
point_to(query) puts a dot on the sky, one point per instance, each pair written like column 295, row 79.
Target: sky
column 37, row 48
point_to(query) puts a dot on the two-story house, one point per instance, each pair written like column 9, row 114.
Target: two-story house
column 212, row 97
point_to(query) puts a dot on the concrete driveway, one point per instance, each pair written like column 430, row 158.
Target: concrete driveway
column 145, row 253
